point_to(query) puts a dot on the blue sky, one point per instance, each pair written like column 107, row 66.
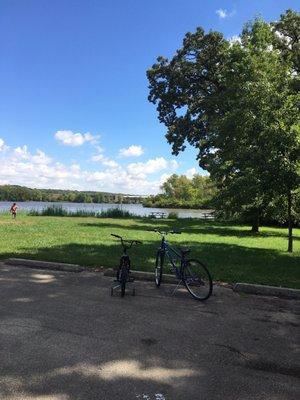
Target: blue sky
column 73, row 107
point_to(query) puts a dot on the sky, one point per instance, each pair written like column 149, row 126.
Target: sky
column 74, row 112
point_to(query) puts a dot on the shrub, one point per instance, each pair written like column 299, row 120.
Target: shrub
column 115, row 213
column 82, row 213
column 50, row 211
column 173, row 215
column 59, row 211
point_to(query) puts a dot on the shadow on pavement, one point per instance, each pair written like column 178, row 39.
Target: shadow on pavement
column 63, row 337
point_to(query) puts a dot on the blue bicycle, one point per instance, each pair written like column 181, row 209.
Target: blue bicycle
column 191, row 272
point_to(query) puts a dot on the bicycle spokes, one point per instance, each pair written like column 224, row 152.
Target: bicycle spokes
column 197, row 279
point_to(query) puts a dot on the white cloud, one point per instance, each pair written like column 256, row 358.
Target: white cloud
column 1, row 144
column 37, row 169
column 21, row 153
column 41, row 158
column 151, row 166
column 173, row 164
column 163, row 178
column 104, row 161
column 110, row 163
column 223, row 14
column 191, row 172
column 133, row 178
column 21, row 167
column 97, row 157
column 69, row 138
column 234, row 39
column 120, row 180
column 132, row 151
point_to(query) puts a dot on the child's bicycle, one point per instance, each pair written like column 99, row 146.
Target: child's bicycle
column 123, row 272
column 191, row 272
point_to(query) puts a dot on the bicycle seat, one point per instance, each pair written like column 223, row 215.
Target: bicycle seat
column 184, row 250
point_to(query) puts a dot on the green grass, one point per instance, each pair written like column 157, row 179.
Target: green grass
column 230, row 251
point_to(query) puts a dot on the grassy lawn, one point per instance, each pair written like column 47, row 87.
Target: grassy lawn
column 231, row 252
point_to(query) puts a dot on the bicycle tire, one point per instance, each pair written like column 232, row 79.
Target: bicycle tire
column 123, row 280
column 197, row 279
column 159, row 263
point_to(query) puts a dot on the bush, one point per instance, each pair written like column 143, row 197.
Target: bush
column 115, row 213
column 59, row 211
column 173, row 215
column 82, row 213
column 50, row 211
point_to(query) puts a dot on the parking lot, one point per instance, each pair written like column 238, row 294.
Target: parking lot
column 63, row 337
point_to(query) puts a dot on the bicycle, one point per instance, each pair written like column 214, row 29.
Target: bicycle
column 123, row 272
column 191, row 272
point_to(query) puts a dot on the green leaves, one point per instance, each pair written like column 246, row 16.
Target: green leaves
column 238, row 104
column 180, row 191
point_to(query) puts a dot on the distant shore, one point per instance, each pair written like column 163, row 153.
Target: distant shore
column 135, row 209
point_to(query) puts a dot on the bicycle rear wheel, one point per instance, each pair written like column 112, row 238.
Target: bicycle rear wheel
column 160, row 257
column 197, row 279
column 123, row 279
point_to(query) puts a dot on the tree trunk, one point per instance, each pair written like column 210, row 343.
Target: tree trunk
column 290, row 223
column 255, row 221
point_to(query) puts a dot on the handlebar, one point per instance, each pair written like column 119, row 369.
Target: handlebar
column 123, row 241
column 117, row 236
column 164, row 233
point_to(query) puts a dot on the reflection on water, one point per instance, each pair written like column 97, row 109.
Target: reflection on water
column 136, row 209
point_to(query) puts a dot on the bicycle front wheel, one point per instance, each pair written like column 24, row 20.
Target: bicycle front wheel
column 197, row 279
column 160, row 257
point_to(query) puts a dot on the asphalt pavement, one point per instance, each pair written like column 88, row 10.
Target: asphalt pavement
column 63, row 337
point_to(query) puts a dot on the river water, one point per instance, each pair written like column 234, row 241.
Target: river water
column 136, row 209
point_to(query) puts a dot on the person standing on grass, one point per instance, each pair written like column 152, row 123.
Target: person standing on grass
column 13, row 210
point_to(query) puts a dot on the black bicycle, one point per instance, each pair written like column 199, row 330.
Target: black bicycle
column 123, row 272
column 191, row 272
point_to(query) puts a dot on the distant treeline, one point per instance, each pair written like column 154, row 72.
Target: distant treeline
column 181, row 192
column 22, row 193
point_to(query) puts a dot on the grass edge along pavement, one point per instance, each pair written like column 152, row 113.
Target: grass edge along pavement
column 231, row 252
column 245, row 288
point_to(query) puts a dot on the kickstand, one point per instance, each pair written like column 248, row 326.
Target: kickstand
column 179, row 283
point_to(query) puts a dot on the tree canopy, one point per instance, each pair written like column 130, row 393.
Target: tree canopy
column 238, row 104
column 183, row 192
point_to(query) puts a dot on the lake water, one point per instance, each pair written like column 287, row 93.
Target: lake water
column 136, row 209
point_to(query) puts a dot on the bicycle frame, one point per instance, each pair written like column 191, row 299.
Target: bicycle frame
column 123, row 272
column 191, row 272
column 124, row 259
column 172, row 254
column 125, row 256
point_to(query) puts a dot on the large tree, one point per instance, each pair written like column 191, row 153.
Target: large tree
column 236, row 103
